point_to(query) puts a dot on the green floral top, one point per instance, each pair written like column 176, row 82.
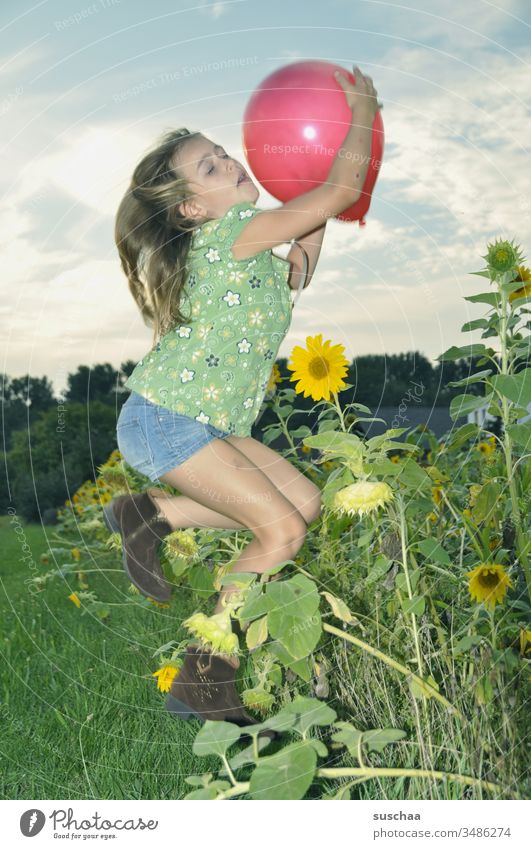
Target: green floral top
column 216, row 367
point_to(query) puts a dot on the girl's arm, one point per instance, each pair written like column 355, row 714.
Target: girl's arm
column 311, row 244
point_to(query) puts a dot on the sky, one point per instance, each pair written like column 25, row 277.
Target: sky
column 87, row 88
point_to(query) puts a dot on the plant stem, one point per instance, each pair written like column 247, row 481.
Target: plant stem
column 521, row 544
column 395, row 664
column 465, row 522
column 403, row 543
column 390, row 772
column 340, row 411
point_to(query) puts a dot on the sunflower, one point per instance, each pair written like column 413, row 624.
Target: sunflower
column 473, row 492
column 525, row 641
column 488, row 583
column 165, row 676
column 436, row 494
column 274, row 378
column 524, row 275
column 362, row 497
column 486, row 448
column 319, row 368
column 502, row 256
column 214, row 632
column 181, row 544
column 258, row 699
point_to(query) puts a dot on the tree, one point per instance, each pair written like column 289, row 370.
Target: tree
column 48, row 464
column 23, row 400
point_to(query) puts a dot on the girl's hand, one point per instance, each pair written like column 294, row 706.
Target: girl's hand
column 362, row 92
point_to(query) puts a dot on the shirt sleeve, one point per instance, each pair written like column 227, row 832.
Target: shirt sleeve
column 232, row 225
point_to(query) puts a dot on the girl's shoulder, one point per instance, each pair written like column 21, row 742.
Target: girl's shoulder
column 222, row 232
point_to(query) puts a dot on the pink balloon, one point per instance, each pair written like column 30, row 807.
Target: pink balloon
column 294, row 124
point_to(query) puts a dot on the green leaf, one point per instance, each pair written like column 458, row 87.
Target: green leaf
column 204, row 793
column 349, row 736
column 339, row 608
column 415, row 605
column 521, row 434
column 474, row 325
column 462, row 434
column 377, row 739
column 297, row 598
column 319, row 747
column 334, row 443
column 200, row 580
column 257, row 604
column 310, row 712
column 379, row 568
column 462, row 405
column 516, row 387
column 401, row 581
column 256, row 633
column 214, row 738
column 418, row 687
column 285, row 775
column 298, row 636
column 433, row 550
column 486, row 502
column 410, row 473
column 280, row 721
column 301, row 431
column 467, row 351
column 299, row 667
column 374, row 740
column 490, row 298
column 474, row 378
column 246, row 756
column 466, row 643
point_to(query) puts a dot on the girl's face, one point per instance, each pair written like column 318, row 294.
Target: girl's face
column 216, row 179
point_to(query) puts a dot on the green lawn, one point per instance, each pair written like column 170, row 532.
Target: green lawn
column 59, row 667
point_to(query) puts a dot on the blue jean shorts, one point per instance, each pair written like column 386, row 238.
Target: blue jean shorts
column 153, row 439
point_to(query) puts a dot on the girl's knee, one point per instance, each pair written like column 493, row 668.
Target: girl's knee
column 288, row 534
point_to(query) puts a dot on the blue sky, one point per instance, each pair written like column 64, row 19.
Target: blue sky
column 88, row 87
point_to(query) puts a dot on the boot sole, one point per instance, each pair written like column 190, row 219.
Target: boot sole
column 180, row 709
column 184, row 712
column 111, row 522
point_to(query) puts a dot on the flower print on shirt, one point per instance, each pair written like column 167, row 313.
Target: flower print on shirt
column 202, row 417
column 212, row 255
column 243, row 341
column 256, row 317
column 232, row 298
column 211, row 393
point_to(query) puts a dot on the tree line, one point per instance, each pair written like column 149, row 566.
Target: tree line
column 52, row 442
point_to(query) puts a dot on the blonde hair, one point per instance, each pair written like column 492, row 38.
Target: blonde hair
column 153, row 238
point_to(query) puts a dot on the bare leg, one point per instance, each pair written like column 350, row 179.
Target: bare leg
column 221, row 478
column 184, row 512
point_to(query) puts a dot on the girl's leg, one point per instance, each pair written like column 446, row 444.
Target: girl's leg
column 183, row 512
column 221, row 478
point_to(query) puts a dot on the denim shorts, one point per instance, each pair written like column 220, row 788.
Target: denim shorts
column 153, row 439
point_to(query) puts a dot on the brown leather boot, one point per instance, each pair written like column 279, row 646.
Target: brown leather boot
column 205, row 688
column 137, row 519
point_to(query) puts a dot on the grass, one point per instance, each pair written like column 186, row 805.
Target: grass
column 61, row 667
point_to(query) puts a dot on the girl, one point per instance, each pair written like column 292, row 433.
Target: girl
column 197, row 255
